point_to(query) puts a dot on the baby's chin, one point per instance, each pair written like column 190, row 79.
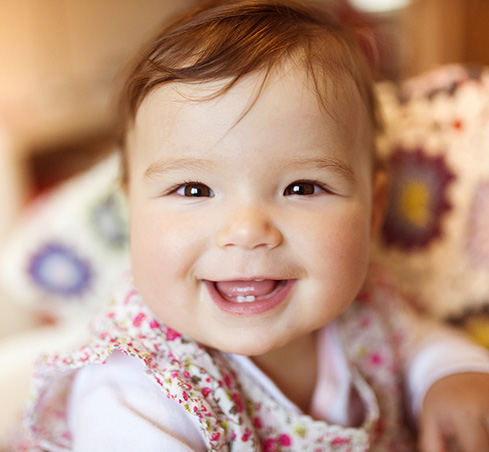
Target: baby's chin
column 252, row 345
column 248, row 350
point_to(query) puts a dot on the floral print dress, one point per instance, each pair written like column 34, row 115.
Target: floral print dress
column 234, row 412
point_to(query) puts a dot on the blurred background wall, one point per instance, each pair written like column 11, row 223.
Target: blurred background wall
column 58, row 63
column 59, row 59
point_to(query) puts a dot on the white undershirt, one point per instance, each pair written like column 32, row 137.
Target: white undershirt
column 116, row 406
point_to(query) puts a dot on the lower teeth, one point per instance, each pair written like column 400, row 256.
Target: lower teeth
column 247, row 299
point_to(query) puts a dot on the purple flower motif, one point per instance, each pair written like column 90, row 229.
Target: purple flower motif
column 110, row 223
column 418, row 199
column 59, row 270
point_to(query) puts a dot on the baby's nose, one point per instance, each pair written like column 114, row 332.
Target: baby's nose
column 249, row 227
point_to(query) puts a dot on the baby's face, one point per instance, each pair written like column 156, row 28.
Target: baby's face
column 248, row 232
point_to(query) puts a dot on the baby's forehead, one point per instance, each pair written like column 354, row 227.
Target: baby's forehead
column 191, row 116
column 330, row 91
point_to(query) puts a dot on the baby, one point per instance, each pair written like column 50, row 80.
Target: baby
column 253, row 320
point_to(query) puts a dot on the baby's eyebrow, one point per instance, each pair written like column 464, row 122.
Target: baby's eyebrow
column 162, row 166
column 198, row 164
column 330, row 163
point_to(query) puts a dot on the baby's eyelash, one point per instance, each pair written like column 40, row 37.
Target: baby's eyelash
column 191, row 190
column 303, row 188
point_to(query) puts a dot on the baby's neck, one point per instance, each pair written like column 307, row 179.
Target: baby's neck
column 293, row 368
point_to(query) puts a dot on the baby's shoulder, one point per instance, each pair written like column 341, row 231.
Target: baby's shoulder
column 123, row 383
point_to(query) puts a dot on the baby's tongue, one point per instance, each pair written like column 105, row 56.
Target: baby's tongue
column 234, row 289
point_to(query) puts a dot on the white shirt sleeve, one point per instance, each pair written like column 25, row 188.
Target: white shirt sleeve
column 438, row 358
column 436, row 350
column 116, row 407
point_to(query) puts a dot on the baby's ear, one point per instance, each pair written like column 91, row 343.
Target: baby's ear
column 380, row 198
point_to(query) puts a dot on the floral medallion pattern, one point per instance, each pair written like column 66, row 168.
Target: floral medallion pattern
column 59, row 270
column 108, row 218
column 418, row 200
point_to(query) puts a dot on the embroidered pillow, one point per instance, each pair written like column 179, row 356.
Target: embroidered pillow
column 71, row 247
column 436, row 235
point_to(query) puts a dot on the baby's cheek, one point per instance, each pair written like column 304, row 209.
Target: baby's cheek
column 163, row 253
column 346, row 252
column 357, row 251
column 146, row 253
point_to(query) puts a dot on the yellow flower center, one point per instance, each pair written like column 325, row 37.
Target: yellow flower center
column 415, row 203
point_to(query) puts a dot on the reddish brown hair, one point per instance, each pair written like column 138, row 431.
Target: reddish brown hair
column 227, row 40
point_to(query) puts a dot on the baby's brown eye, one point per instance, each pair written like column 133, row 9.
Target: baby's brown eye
column 195, row 191
column 301, row 188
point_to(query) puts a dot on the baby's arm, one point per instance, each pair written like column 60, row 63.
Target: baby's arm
column 448, row 380
column 116, row 407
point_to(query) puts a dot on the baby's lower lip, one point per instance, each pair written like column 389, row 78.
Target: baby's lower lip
column 247, row 303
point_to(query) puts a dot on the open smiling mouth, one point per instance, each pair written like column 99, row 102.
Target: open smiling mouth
column 246, row 297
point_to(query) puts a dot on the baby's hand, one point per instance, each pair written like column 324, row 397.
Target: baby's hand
column 455, row 415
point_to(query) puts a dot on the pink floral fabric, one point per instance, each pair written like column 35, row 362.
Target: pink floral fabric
column 234, row 412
